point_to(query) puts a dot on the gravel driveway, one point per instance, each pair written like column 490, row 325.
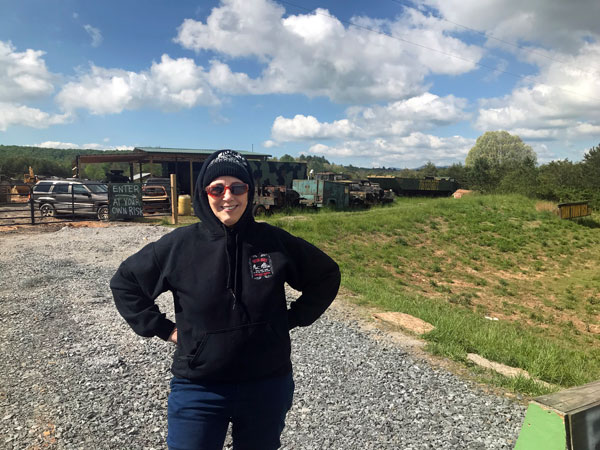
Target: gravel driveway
column 76, row 377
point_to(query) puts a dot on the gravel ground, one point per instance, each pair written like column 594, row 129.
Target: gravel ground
column 76, row 377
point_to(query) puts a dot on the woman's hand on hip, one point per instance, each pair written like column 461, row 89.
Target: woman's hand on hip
column 173, row 336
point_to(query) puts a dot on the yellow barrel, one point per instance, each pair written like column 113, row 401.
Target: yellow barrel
column 184, row 205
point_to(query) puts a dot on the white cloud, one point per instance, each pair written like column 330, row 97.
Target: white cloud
column 317, row 55
column 169, row 85
column 557, row 24
column 95, row 34
column 23, row 75
column 412, row 150
column 308, row 127
column 95, row 146
column 91, row 146
column 585, row 129
column 237, row 28
column 57, row 144
column 269, row 144
column 394, row 119
column 561, row 100
column 15, row 114
column 390, row 135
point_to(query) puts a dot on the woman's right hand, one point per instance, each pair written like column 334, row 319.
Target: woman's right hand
column 173, row 336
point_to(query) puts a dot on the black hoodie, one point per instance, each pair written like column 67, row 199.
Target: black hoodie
column 228, row 291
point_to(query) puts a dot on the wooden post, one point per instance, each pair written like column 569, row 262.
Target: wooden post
column 191, row 178
column 174, row 200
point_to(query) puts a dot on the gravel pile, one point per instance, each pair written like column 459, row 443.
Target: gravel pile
column 76, row 377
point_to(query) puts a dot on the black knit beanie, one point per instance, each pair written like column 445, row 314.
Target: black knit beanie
column 227, row 163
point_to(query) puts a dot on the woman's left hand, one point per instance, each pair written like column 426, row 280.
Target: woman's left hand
column 173, row 336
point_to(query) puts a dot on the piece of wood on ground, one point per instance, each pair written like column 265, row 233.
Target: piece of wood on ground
column 503, row 369
column 406, row 321
column 460, row 192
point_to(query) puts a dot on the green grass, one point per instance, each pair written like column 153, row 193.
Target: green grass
column 450, row 262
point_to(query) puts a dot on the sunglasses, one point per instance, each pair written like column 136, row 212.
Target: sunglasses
column 218, row 190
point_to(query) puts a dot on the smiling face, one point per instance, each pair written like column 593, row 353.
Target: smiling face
column 228, row 208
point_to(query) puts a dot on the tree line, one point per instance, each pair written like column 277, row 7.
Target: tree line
column 498, row 163
column 15, row 162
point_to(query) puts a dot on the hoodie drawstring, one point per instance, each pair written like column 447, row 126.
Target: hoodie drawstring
column 231, row 268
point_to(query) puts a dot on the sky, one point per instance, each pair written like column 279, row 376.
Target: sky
column 384, row 83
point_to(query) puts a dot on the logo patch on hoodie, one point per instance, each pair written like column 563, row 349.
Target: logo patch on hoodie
column 261, row 266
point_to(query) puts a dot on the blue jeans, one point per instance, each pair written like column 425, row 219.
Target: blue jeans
column 199, row 414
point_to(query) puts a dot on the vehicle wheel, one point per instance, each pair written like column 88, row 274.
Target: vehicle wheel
column 259, row 210
column 102, row 213
column 47, row 210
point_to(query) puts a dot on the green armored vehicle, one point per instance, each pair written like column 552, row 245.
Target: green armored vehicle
column 428, row 186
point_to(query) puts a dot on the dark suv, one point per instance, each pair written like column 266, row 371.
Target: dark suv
column 75, row 197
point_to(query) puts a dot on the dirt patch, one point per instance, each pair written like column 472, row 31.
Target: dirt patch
column 545, row 206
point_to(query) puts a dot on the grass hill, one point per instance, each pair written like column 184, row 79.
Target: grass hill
column 452, row 262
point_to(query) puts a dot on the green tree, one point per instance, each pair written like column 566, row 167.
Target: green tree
column 591, row 168
column 522, row 180
column 560, row 181
column 316, row 163
column 287, row 158
column 428, row 170
column 457, row 172
column 482, row 177
column 495, row 155
column 94, row 171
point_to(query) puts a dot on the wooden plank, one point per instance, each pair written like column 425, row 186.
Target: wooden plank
column 191, row 178
column 174, row 200
column 573, row 399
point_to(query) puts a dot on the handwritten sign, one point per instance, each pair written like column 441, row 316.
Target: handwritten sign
column 125, row 200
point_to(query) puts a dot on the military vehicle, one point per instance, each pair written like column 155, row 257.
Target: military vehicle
column 319, row 193
column 361, row 192
column 274, row 180
column 365, row 193
column 270, row 198
column 428, row 186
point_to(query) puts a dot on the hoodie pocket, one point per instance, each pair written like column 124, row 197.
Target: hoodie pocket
column 252, row 349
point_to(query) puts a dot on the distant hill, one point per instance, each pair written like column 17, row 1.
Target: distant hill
column 52, row 154
column 15, row 160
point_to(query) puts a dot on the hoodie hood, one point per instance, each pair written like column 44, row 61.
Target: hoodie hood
column 202, row 208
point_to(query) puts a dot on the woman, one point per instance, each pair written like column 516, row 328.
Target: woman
column 227, row 274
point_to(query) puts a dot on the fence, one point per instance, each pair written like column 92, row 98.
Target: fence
column 20, row 205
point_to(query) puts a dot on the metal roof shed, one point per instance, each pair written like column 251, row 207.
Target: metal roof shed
column 172, row 158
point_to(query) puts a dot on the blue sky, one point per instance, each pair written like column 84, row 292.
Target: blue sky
column 383, row 83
